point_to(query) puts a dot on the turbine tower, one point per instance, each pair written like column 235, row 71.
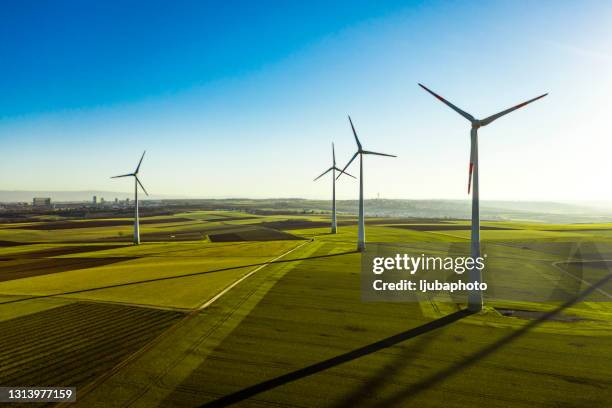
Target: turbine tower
column 333, row 169
column 361, row 152
column 136, row 184
column 475, row 297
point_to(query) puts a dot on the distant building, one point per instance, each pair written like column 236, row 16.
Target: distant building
column 41, row 202
column 95, row 200
column 116, row 200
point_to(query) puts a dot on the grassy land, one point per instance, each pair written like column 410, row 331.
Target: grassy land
column 296, row 332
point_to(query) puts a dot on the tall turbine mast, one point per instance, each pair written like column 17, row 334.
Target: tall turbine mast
column 136, row 184
column 475, row 302
column 333, row 169
column 361, row 152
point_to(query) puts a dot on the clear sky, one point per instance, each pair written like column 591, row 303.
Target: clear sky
column 243, row 99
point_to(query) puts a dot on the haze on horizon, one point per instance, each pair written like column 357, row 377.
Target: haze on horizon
column 244, row 100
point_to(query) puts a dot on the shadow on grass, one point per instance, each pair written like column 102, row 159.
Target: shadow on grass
column 370, row 388
column 415, row 389
column 412, row 390
column 119, row 285
column 335, row 361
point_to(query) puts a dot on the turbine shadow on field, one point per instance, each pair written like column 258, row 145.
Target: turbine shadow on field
column 413, row 390
column 118, row 285
column 381, row 378
column 335, row 361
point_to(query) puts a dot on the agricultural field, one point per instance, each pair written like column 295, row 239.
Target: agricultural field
column 216, row 308
column 81, row 340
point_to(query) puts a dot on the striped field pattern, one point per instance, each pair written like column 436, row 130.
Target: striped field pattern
column 72, row 345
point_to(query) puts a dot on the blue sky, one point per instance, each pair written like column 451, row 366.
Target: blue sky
column 242, row 99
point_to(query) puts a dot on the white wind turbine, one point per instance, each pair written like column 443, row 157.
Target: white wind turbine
column 361, row 153
column 136, row 184
column 475, row 297
column 333, row 169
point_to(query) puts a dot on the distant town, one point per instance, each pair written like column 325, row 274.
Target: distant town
column 96, row 207
column 45, row 203
column 111, row 206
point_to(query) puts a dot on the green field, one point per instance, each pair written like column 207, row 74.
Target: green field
column 216, row 308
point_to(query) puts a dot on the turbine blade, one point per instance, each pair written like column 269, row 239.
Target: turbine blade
column 141, row 186
column 324, row 173
column 470, row 176
column 124, row 175
column 347, row 164
column 140, row 162
column 377, row 154
column 333, row 154
column 471, row 169
column 355, row 134
column 345, row 172
column 491, row 118
column 453, row 107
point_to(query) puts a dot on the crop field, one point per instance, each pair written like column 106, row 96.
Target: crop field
column 216, row 308
column 414, row 365
column 72, row 344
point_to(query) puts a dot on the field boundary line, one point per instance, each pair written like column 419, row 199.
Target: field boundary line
column 232, row 285
column 184, row 310
column 104, row 377
column 603, row 292
column 555, row 264
column 216, row 333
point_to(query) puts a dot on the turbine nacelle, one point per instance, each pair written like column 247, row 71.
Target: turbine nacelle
column 475, row 298
column 333, row 167
column 135, row 174
column 360, row 150
column 136, row 184
column 478, row 123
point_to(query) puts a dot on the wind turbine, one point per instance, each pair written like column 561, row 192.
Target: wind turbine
column 361, row 153
column 475, row 297
column 333, row 169
column 136, row 184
